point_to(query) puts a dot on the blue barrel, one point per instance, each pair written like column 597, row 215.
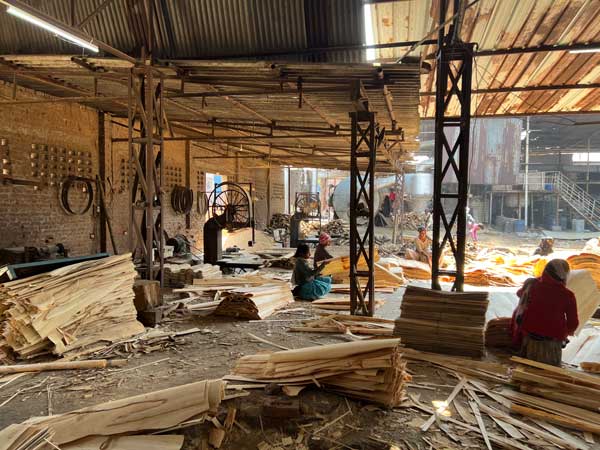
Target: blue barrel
column 519, row 226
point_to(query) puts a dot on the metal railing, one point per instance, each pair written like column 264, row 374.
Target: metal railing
column 576, row 197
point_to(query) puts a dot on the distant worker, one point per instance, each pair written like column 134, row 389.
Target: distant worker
column 470, row 218
column 422, row 251
column 309, row 286
column 545, row 247
column 546, row 315
column 321, row 253
column 473, row 228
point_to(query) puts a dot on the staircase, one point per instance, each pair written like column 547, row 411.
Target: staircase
column 582, row 202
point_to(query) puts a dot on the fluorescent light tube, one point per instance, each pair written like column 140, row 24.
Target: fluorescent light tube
column 51, row 28
column 586, row 50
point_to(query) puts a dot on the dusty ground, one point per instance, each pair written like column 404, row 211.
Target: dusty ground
column 211, row 353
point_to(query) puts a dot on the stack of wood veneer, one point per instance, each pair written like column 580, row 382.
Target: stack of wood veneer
column 443, row 322
column 69, row 308
column 372, row 370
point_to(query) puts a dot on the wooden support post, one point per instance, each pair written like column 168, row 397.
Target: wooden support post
column 102, row 177
column 269, row 189
column 188, row 177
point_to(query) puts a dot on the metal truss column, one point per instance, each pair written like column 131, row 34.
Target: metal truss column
column 146, row 237
column 366, row 138
column 451, row 153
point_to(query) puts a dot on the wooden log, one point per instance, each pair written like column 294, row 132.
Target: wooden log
column 63, row 365
column 147, row 295
column 564, row 421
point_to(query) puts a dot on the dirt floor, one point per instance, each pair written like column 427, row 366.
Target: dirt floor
column 212, row 352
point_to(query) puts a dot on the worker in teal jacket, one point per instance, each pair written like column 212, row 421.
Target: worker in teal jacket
column 308, row 284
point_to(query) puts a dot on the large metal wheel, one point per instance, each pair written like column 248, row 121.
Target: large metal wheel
column 230, row 204
column 308, row 205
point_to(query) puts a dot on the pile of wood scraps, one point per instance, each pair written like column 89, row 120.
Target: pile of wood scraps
column 70, row 309
column 414, row 270
column 102, row 426
column 339, row 304
column 487, row 276
column 150, row 341
column 489, row 371
column 250, row 297
column 443, row 322
column 372, row 370
column 339, row 269
column 498, row 333
column 178, row 275
column 338, row 230
column 279, row 220
column 566, row 397
column 346, row 324
column 254, row 302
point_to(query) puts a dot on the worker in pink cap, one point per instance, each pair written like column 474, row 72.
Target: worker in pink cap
column 321, row 253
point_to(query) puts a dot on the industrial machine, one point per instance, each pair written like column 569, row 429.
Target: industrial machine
column 307, row 207
column 230, row 208
column 19, row 255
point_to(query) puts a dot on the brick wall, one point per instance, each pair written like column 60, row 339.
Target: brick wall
column 34, row 217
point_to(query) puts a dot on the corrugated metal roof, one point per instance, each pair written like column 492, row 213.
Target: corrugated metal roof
column 199, row 28
column 496, row 24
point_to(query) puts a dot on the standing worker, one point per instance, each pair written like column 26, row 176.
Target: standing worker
column 321, row 253
column 546, row 315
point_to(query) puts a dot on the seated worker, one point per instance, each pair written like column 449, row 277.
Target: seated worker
column 422, row 250
column 545, row 247
column 321, row 253
column 308, row 285
column 546, row 315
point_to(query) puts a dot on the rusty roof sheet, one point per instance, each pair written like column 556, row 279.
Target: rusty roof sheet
column 501, row 24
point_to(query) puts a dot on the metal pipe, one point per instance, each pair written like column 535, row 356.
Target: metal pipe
column 243, row 138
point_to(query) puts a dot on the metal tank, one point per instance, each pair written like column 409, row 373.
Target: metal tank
column 418, row 189
column 341, row 195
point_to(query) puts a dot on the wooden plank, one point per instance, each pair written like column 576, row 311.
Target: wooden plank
column 459, row 387
column 480, row 423
column 170, row 442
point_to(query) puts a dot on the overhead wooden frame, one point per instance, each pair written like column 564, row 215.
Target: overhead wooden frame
column 297, row 113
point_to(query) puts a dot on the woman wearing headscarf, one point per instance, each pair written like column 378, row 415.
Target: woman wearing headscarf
column 546, row 315
column 308, row 284
column 321, row 253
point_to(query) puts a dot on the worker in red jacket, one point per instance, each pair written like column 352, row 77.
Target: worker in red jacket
column 546, row 315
